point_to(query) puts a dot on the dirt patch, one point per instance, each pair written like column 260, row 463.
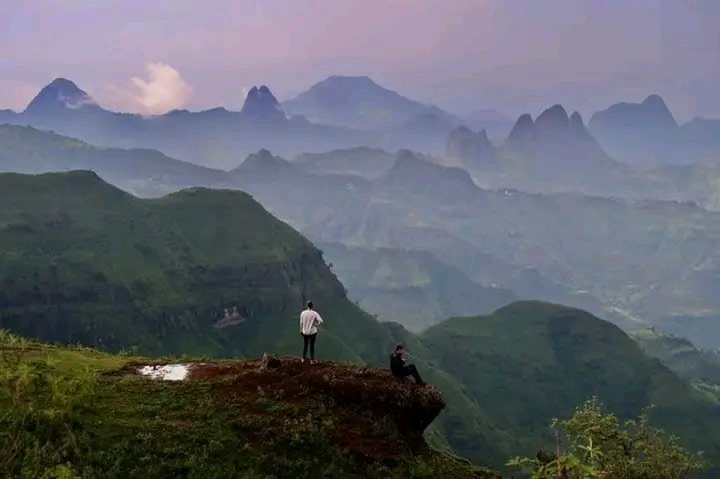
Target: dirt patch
column 371, row 413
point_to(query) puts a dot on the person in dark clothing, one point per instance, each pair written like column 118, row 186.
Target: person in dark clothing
column 400, row 369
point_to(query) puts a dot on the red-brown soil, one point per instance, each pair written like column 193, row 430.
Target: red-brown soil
column 366, row 411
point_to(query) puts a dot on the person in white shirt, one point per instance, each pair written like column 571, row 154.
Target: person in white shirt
column 309, row 321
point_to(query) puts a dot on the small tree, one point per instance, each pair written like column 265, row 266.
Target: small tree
column 601, row 446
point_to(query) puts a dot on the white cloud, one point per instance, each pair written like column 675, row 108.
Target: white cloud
column 162, row 91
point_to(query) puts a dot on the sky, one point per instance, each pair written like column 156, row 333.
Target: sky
column 463, row 55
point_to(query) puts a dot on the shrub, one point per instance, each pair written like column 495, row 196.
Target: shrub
column 602, row 446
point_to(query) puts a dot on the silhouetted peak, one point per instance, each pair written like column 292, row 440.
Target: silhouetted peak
column 65, row 85
column 523, row 130
column 654, row 100
column 263, row 154
column 264, row 162
column 462, row 137
column 472, row 149
column 552, row 120
column 350, row 81
column 60, row 94
column 410, row 170
column 653, row 114
column 340, row 90
column 576, row 120
column 261, row 104
column 578, row 130
column 406, row 156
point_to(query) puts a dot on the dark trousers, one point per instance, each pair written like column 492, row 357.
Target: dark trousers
column 309, row 339
column 410, row 370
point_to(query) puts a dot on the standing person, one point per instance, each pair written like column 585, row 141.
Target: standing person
column 400, row 369
column 309, row 321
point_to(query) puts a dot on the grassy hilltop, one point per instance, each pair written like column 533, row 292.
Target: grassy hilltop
column 77, row 412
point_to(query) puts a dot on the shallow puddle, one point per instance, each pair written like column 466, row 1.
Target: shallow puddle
column 166, row 372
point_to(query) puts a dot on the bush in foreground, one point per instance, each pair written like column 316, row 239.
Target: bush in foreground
column 602, row 446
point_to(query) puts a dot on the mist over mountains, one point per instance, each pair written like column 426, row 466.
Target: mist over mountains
column 407, row 223
column 354, row 111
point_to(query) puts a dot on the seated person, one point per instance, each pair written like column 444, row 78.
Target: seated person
column 400, row 369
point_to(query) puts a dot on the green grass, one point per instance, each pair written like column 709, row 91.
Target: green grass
column 121, row 424
column 84, row 263
column 531, row 362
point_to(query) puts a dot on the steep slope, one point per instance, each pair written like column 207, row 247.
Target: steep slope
column 262, row 106
column 141, row 172
column 58, row 97
column 80, row 259
column 529, row 362
column 115, row 416
column 677, row 353
column 412, row 288
column 213, row 138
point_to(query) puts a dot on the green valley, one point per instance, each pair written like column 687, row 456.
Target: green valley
column 211, row 274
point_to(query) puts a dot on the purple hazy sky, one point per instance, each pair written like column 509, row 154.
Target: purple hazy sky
column 514, row 55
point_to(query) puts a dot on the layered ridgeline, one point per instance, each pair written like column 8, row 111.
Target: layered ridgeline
column 142, row 172
column 526, row 243
column 197, row 272
column 213, row 137
column 83, row 262
column 410, row 287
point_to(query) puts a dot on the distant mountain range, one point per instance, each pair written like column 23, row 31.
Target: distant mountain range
column 635, row 262
column 553, row 153
column 354, row 111
column 216, row 137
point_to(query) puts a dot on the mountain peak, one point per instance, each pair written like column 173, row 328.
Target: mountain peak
column 265, row 162
column 553, row 123
column 523, row 130
column 261, row 104
column 471, row 149
column 654, row 100
column 651, row 115
column 420, row 174
column 576, row 119
column 60, row 95
column 356, row 80
column 339, row 88
column 553, row 118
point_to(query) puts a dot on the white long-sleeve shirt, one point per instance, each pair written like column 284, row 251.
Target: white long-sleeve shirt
column 309, row 321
